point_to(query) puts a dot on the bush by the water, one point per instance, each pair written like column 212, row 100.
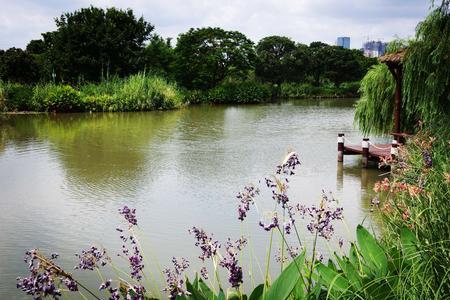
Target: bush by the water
column 15, row 96
column 306, row 90
column 138, row 92
column 232, row 92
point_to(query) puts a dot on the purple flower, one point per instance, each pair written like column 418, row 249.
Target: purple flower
column 105, row 285
column 43, row 274
column 427, row 158
column 272, row 224
column 204, row 273
column 230, row 261
column 129, row 215
column 289, row 164
column 292, row 251
column 246, row 198
column 174, row 279
column 205, row 243
column 91, row 258
column 135, row 292
column 323, row 216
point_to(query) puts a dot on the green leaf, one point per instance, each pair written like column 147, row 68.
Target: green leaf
column 232, row 294
column 195, row 294
column 372, row 253
column 221, row 295
column 409, row 243
column 299, row 290
column 332, row 279
column 282, row 287
column 257, row 292
column 349, row 271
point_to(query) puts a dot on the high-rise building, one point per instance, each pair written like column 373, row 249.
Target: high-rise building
column 374, row 48
column 343, row 41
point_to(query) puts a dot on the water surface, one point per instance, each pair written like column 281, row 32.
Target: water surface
column 63, row 177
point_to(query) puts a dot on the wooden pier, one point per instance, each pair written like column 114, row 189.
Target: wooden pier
column 368, row 150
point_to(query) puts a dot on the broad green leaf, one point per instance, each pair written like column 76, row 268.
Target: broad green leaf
column 299, row 290
column 409, row 243
column 195, row 293
column 282, row 287
column 332, row 279
column 205, row 290
column 372, row 253
column 257, row 292
column 350, row 272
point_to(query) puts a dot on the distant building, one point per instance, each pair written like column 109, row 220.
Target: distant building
column 374, row 48
column 343, row 41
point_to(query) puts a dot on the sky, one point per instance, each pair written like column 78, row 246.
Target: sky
column 304, row 21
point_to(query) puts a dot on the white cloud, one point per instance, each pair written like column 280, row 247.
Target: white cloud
column 302, row 20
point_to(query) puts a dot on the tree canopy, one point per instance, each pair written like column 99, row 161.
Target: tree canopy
column 206, row 56
column 426, row 80
column 92, row 42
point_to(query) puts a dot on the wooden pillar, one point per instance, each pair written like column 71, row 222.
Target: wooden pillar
column 394, row 150
column 397, row 73
column 340, row 141
column 365, row 152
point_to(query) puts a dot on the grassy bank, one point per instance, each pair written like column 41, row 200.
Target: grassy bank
column 136, row 93
column 148, row 92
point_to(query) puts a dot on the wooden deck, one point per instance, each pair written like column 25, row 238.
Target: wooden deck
column 376, row 152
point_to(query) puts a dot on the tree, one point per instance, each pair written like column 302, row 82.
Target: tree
column 337, row 64
column 91, row 42
column 18, row 66
column 276, row 59
column 158, row 57
column 206, row 56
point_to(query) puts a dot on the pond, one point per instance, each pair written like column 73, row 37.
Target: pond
column 63, row 178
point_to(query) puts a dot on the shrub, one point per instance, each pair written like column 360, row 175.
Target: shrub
column 350, row 89
column 100, row 103
column 141, row 92
column 296, row 90
column 15, row 96
column 239, row 92
column 57, row 98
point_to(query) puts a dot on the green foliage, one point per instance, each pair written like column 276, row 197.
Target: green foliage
column 56, row 98
column 426, row 84
column 306, row 90
column 426, row 80
column 14, row 96
column 417, row 196
column 232, row 92
column 141, row 92
column 337, row 64
column 374, row 111
column 17, row 65
column 206, row 56
column 283, row 286
column 91, row 43
column 279, row 59
column 158, row 57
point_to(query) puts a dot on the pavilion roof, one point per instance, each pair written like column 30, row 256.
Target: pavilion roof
column 393, row 59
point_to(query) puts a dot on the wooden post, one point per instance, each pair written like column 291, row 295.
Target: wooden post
column 394, row 150
column 397, row 73
column 365, row 152
column 340, row 141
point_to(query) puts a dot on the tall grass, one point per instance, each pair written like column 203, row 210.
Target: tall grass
column 138, row 92
column 418, row 196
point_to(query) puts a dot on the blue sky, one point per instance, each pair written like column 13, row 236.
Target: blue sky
column 302, row 20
